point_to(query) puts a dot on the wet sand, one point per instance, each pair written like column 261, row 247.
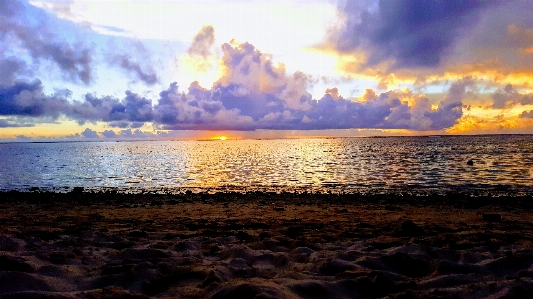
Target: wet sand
column 260, row 245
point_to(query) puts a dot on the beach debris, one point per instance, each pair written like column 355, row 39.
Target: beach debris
column 491, row 217
column 470, row 162
column 412, row 229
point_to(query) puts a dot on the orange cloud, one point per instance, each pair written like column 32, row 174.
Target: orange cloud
column 528, row 50
column 499, row 124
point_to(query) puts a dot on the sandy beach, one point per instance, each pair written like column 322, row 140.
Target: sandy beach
column 264, row 245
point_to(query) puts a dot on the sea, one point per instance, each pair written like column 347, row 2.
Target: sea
column 501, row 164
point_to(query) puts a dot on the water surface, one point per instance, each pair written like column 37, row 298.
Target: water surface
column 502, row 162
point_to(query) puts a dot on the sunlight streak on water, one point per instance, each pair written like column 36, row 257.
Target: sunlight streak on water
column 317, row 164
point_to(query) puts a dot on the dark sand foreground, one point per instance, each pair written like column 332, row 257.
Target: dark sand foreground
column 83, row 245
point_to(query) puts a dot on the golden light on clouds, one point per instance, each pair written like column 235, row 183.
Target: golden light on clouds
column 263, row 65
column 205, row 70
column 61, row 128
column 492, row 120
column 528, row 51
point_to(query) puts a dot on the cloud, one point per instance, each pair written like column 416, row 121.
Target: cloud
column 252, row 94
column 127, row 63
column 527, row 114
column 33, row 34
column 133, row 134
column 22, row 137
column 250, row 73
column 46, row 39
column 200, row 59
column 137, row 134
column 180, row 111
column 132, row 111
column 509, row 97
column 88, row 133
column 109, row 134
column 433, row 42
column 28, row 99
column 449, row 110
column 10, row 67
column 5, row 123
column 137, row 62
column 202, row 42
column 408, row 33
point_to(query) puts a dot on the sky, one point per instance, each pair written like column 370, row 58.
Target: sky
column 180, row 69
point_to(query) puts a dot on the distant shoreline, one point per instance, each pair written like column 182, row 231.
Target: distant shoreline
column 261, row 138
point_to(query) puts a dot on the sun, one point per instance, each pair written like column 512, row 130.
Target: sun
column 222, row 137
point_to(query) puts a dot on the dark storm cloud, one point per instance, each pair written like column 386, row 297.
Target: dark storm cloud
column 28, row 99
column 413, row 33
column 33, row 34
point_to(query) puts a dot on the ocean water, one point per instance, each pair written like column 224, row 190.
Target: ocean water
column 502, row 163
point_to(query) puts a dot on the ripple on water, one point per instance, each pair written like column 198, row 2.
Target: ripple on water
column 344, row 163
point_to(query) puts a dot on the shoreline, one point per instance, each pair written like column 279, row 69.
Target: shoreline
column 264, row 245
column 329, row 189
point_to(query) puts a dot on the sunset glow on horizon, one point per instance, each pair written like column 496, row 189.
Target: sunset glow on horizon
column 82, row 70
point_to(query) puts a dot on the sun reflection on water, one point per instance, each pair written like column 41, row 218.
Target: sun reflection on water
column 319, row 164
